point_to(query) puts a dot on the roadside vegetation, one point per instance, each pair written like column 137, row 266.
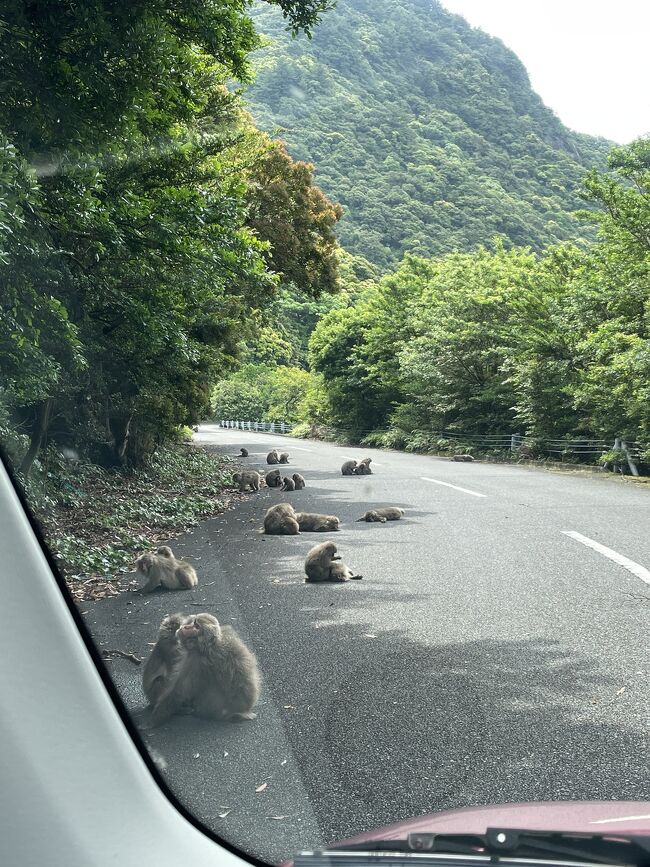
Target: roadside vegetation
column 97, row 521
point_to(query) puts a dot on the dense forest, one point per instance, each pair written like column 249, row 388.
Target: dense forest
column 424, row 129
column 146, row 225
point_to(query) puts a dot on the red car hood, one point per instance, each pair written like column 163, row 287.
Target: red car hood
column 628, row 817
column 596, row 817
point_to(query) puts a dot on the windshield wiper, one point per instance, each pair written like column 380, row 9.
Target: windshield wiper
column 503, row 844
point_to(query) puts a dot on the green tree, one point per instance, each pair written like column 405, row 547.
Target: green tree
column 286, row 209
column 128, row 180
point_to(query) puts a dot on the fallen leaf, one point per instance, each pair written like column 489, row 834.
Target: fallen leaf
column 261, row 788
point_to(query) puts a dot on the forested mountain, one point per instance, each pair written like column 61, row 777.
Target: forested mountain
column 426, row 130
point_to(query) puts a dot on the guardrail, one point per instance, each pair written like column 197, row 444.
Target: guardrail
column 278, row 427
column 511, row 442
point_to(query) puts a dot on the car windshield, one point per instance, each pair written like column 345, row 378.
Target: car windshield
column 325, row 372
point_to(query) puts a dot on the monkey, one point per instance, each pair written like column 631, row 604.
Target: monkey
column 216, row 675
column 390, row 513
column 298, row 481
column 165, row 654
column 273, row 479
column 273, row 457
column 463, row 458
column 247, row 478
column 244, row 452
column 281, row 520
column 324, row 564
column 363, row 467
column 164, row 551
column 284, row 458
column 317, row 523
column 164, row 570
column 348, row 468
column 288, row 484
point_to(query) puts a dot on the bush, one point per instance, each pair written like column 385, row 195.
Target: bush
column 386, row 439
column 302, row 430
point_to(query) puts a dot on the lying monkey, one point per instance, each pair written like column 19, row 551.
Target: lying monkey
column 389, row 513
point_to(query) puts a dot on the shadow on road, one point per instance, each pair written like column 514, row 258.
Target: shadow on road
column 389, row 728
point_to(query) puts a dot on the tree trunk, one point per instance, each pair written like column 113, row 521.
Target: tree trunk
column 119, row 428
column 41, row 424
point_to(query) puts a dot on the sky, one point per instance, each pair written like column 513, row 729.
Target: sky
column 589, row 60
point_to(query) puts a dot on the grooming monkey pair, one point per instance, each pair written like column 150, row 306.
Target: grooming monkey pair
column 200, row 667
column 357, row 468
column 275, row 457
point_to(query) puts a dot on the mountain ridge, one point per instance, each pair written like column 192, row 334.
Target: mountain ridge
column 424, row 128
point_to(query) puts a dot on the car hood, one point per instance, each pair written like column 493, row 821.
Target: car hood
column 628, row 817
column 596, row 817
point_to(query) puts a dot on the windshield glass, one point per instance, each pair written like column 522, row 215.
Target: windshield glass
column 325, row 369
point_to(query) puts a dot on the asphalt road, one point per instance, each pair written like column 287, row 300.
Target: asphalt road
column 485, row 657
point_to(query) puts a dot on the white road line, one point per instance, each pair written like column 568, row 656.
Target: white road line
column 640, row 571
column 455, row 487
column 297, row 448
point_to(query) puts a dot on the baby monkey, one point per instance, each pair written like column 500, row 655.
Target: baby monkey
column 363, row 468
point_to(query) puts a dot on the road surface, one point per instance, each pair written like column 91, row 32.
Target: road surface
column 487, row 655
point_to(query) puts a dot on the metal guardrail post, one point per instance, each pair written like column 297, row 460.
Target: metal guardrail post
column 630, row 462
